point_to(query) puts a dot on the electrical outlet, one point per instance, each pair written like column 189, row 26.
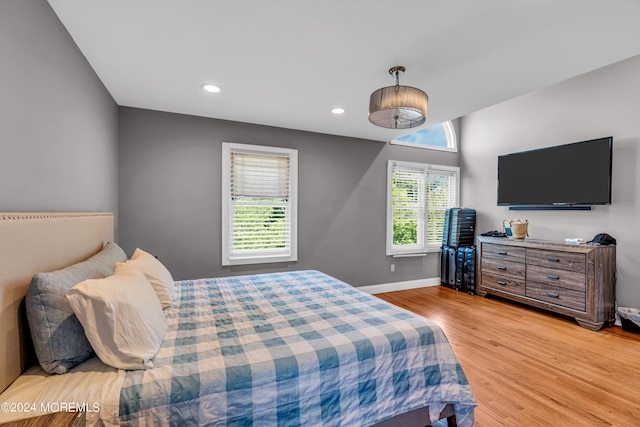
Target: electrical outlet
column 393, row 268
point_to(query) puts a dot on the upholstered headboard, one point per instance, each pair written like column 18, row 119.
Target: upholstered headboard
column 32, row 243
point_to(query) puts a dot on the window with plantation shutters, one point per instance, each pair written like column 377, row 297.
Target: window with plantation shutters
column 259, row 204
column 417, row 197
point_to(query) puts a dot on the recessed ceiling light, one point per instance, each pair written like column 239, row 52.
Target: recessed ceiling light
column 337, row 110
column 211, row 88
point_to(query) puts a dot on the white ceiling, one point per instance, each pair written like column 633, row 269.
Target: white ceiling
column 287, row 63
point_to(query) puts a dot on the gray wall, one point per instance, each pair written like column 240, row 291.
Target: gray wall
column 169, row 197
column 602, row 103
column 58, row 124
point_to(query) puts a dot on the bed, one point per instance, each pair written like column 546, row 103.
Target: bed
column 281, row 349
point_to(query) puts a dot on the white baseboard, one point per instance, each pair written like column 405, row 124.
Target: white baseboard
column 400, row 286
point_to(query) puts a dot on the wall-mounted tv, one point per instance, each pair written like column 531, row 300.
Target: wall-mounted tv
column 577, row 174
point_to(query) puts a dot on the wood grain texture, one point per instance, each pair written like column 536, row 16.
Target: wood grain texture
column 504, row 252
column 502, row 282
column 556, row 259
column 556, row 277
column 57, row 419
column 556, row 295
column 533, row 368
column 573, row 280
column 514, row 269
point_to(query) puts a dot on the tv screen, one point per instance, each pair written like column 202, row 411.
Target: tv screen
column 570, row 174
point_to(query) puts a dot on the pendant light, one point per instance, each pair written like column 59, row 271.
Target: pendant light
column 398, row 107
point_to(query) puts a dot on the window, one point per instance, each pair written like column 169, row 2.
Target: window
column 438, row 137
column 417, row 197
column 259, row 204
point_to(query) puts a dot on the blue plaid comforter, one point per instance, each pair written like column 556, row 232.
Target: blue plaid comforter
column 292, row 349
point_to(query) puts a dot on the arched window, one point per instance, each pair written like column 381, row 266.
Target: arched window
column 439, row 137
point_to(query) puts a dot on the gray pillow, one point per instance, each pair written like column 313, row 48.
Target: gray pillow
column 58, row 337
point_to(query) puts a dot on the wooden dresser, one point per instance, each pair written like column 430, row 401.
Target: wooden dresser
column 574, row 280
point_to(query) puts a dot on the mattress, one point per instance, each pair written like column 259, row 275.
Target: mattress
column 291, row 349
column 91, row 387
column 283, row 349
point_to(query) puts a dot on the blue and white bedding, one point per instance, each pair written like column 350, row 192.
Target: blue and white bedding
column 292, row 349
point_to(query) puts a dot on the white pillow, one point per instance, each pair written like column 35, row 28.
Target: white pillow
column 121, row 317
column 156, row 273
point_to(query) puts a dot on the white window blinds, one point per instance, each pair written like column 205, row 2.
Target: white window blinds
column 442, row 193
column 259, row 204
column 417, row 198
column 259, row 175
column 408, row 206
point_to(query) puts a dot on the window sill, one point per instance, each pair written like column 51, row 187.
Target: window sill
column 422, row 252
column 417, row 254
column 258, row 260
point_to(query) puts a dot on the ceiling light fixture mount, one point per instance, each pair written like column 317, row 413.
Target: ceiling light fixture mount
column 398, row 107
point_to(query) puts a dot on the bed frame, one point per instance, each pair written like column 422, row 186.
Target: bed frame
column 47, row 241
column 32, row 243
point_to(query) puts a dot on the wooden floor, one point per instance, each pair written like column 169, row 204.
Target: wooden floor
column 532, row 368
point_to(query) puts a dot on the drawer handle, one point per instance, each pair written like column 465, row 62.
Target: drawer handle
column 502, row 267
column 552, row 277
column 553, row 259
column 552, row 295
column 502, row 252
column 502, row 282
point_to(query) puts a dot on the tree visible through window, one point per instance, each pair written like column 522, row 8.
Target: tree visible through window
column 259, row 224
column 418, row 196
column 408, row 206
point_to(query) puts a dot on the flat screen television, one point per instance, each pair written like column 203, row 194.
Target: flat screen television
column 577, row 174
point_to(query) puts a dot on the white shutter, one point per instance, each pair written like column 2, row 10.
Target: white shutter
column 259, row 199
column 417, row 197
column 408, row 207
column 442, row 190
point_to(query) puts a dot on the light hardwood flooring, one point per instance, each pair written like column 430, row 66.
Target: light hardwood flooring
column 532, row 368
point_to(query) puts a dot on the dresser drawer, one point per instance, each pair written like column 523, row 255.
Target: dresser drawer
column 503, row 252
column 555, row 259
column 555, row 277
column 503, row 268
column 502, row 283
column 556, row 295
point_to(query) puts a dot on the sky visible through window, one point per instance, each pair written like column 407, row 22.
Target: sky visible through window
column 433, row 135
